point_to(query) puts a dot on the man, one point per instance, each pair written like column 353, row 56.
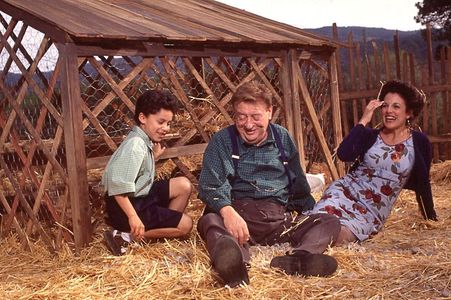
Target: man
column 137, row 206
column 249, row 195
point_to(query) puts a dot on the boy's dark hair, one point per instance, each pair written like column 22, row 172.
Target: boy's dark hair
column 150, row 102
column 415, row 100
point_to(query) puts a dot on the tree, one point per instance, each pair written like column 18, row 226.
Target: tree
column 437, row 13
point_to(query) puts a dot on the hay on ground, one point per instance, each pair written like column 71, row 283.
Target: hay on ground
column 409, row 259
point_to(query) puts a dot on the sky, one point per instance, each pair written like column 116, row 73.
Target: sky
column 388, row 14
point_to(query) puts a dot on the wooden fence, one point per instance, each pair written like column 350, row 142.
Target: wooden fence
column 361, row 75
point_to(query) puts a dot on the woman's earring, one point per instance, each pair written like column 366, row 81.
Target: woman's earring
column 409, row 124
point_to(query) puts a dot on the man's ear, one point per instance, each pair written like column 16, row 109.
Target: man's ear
column 269, row 112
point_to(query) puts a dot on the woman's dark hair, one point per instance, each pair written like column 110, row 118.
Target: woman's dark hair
column 150, row 102
column 414, row 100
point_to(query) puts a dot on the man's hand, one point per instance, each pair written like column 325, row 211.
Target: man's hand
column 136, row 227
column 235, row 224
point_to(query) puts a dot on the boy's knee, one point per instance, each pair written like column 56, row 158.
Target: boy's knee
column 186, row 224
column 184, row 185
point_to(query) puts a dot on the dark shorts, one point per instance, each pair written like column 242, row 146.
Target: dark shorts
column 152, row 209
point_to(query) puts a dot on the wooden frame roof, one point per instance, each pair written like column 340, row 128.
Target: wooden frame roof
column 181, row 22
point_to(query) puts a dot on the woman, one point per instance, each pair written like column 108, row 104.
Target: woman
column 386, row 161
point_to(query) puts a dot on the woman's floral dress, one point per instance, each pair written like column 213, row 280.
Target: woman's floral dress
column 363, row 199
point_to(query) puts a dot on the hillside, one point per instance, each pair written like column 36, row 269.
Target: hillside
column 411, row 41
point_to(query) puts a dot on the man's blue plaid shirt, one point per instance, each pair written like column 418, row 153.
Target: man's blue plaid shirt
column 261, row 174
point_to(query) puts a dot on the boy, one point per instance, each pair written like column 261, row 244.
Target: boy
column 137, row 206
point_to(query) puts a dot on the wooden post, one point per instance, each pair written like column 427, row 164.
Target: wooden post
column 75, row 147
column 335, row 107
column 355, row 114
column 398, row 61
column 341, row 80
column 287, row 93
column 388, row 73
column 448, row 97
column 432, row 102
column 296, row 105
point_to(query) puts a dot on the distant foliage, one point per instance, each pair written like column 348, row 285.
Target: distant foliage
column 437, row 13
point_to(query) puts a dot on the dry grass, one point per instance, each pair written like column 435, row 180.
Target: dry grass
column 409, row 259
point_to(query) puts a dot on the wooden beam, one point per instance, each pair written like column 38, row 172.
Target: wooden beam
column 294, row 71
column 172, row 152
column 373, row 92
column 287, row 93
column 316, row 126
column 75, row 147
column 335, row 107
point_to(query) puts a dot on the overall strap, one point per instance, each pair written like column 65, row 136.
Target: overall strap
column 283, row 158
column 235, row 152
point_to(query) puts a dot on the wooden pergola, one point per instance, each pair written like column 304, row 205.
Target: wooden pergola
column 57, row 124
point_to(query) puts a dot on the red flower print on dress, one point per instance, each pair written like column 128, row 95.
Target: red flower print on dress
column 332, row 210
column 326, row 196
column 376, row 198
column 359, row 208
column 348, row 194
column 386, row 190
column 400, row 148
column 350, row 213
column 368, row 194
column 395, row 156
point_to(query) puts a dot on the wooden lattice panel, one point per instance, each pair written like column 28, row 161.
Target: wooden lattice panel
column 31, row 133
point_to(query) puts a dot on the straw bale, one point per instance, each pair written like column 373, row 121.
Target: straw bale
column 409, row 259
column 441, row 173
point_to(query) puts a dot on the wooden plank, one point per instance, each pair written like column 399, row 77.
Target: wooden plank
column 335, row 107
column 386, row 53
column 298, row 134
column 316, row 126
column 265, row 80
column 355, row 114
column 205, row 86
column 372, row 92
column 285, row 78
column 361, row 85
column 444, row 100
column 397, row 51
column 424, row 81
column 26, row 206
column 412, row 69
column 171, row 152
column 448, row 97
column 430, row 54
column 404, row 67
column 182, row 97
column 33, row 20
column 75, row 151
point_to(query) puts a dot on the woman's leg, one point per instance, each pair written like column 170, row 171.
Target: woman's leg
column 345, row 236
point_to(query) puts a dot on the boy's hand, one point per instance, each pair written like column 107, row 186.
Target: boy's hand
column 158, row 150
column 136, row 227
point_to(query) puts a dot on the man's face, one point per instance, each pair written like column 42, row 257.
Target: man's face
column 252, row 121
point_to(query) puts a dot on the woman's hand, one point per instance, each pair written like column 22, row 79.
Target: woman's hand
column 369, row 111
column 158, row 150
